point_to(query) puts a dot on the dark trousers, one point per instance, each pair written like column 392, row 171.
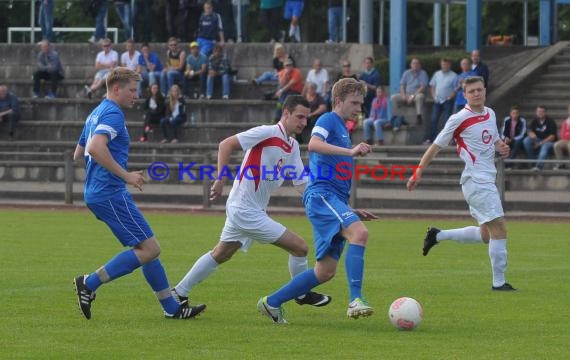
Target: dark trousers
column 167, row 125
column 191, row 85
column 272, row 21
column 438, row 110
column 52, row 76
column 11, row 119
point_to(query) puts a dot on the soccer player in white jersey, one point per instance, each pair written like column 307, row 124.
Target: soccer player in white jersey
column 475, row 132
column 272, row 155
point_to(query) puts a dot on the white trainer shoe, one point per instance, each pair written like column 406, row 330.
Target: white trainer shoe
column 359, row 307
column 275, row 314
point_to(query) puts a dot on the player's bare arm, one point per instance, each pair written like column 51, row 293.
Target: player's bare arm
column 316, row 144
column 225, row 150
column 98, row 149
column 428, row 156
column 502, row 148
column 78, row 153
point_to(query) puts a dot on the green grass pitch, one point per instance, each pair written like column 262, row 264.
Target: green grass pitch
column 41, row 251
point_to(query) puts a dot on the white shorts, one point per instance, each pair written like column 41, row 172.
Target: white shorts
column 484, row 201
column 246, row 225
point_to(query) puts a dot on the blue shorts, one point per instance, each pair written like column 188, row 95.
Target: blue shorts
column 123, row 218
column 293, row 9
column 328, row 215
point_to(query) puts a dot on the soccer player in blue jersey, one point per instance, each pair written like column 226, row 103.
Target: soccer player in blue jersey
column 104, row 143
column 326, row 203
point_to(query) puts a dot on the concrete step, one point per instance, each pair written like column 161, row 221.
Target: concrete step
column 558, row 68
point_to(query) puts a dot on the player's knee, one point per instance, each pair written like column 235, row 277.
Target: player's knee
column 302, row 250
column 324, row 275
column 360, row 237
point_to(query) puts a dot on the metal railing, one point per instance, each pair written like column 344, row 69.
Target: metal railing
column 33, row 30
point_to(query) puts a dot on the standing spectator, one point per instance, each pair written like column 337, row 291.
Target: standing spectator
column 46, row 19
column 279, row 57
column 175, row 115
column 196, row 69
column 412, row 87
column 442, row 92
column 104, row 62
column 149, row 67
column 218, row 67
column 317, row 107
column 378, row 118
column 125, row 12
column 130, row 58
column 99, row 10
column 478, row 67
column 541, row 135
column 319, row 77
column 144, row 34
column 240, row 9
column 290, row 83
column 563, row 145
column 155, row 108
column 293, row 12
column 466, row 71
column 371, row 78
column 173, row 72
column 513, row 132
column 48, row 68
column 270, row 14
column 335, row 21
column 9, row 109
column 177, row 18
column 209, row 28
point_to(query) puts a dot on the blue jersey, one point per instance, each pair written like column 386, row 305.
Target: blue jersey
column 331, row 173
column 107, row 119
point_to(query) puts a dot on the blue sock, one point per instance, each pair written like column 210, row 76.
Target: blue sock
column 156, row 278
column 122, row 264
column 354, row 264
column 297, row 286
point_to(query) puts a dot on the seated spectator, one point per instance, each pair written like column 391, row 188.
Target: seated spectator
column 413, row 84
column 175, row 115
column 130, row 58
column 209, row 28
column 514, row 132
column 320, row 77
column 154, row 111
column 9, row 110
column 378, row 118
column 290, row 83
column 104, row 62
column 345, row 72
column 279, row 57
column 149, row 68
column 196, row 70
column 443, row 94
column 48, row 68
column 219, row 68
column 466, row 71
column 173, row 71
column 317, row 107
column 541, row 135
column 371, row 78
column 563, row 145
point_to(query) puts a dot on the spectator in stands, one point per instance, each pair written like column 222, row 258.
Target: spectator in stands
column 514, row 132
column 149, row 68
column 412, row 87
column 563, row 144
column 346, row 72
column 173, row 71
column 219, row 68
column 443, row 94
column 293, row 12
column 9, row 109
column 271, row 15
column 209, row 29
column 290, row 83
column 45, row 19
column 240, row 9
column 317, row 107
column 320, row 77
column 106, row 60
column 123, row 8
column 541, row 135
column 130, row 58
column 335, row 21
column 478, row 67
column 378, row 118
column 196, row 70
column 175, row 115
column 48, row 68
column 279, row 57
column 177, row 20
column 466, row 71
column 154, row 106
column 100, row 12
column 371, row 78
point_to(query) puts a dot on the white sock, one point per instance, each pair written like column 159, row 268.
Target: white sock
column 298, row 33
column 498, row 256
column 466, row 235
column 291, row 30
column 297, row 265
column 201, row 269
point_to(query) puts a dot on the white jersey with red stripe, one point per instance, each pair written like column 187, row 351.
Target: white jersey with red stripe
column 475, row 135
column 271, row 156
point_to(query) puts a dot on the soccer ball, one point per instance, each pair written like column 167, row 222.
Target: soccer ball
column 405, row 313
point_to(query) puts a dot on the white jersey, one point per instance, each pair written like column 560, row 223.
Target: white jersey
column 271, row 156
column 475, row 135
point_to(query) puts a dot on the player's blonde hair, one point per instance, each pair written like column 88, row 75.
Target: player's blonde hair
column 348, row 86
column 121, row 76
column 472, row 80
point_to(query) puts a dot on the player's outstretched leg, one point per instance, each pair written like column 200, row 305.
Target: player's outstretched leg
column 430, row 240
column 84, row 295
column 276, row 314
